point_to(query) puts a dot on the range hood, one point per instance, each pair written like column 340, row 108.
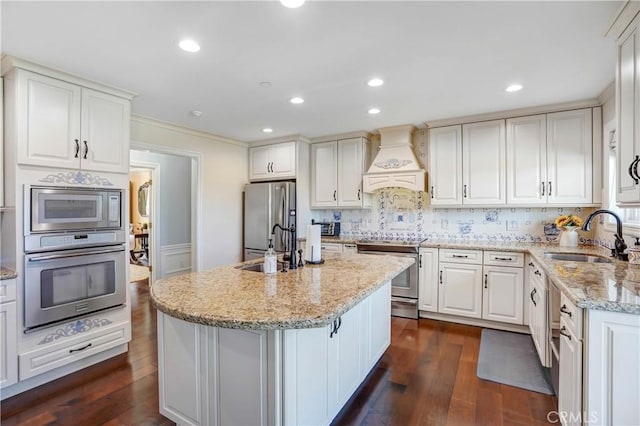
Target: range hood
column 395, row 165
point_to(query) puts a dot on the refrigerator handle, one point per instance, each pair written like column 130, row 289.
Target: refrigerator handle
column 282, row 218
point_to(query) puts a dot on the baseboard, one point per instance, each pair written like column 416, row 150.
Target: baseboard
column 476, row 322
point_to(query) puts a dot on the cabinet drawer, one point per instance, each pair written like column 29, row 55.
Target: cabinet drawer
column 461, row 256
column 536, row 273
column 349, row 248
column 331, row 247
column 7, row 290
column 45, row 359
column 571, row 316
column 501, row 258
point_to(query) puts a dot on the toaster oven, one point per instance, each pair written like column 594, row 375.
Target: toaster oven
column 329, row 229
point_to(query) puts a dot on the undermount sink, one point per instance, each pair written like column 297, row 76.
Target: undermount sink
column 578, row 257
column 256, row 267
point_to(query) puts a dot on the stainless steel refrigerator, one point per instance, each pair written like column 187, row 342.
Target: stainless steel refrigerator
column 266, row 204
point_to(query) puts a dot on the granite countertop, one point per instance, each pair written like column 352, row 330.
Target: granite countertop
column 307, row 297
column 7, row 273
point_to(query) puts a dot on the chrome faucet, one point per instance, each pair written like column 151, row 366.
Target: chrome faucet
column 620, row 246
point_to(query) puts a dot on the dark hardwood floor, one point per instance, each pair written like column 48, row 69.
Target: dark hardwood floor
column 427, row 377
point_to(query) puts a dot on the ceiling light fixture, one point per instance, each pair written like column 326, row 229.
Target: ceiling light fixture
column 374, row 111
column 265, row 84
column 514, row 88
column 292, row 4
column 267, row 130
column 296, row 100
column 189, row 46
column 375, row 82
column 196, row 113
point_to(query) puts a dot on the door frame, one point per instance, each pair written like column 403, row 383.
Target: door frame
column 154, row 216
column 196, row 194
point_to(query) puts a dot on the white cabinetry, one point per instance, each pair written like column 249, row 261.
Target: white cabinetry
column 538, row 314
column 570, row 364
column 445, row 165
column 336, row 173
column 428, row 279
column 460, row 290
column 628, row 112
column 272, row 162
column 502, row 298
column 550, row 158
column 331, row 247
column 8, row 333
column 62, row 124
column 483, row 163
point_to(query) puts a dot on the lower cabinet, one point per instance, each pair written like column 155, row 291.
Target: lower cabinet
column 538, row 315
column 428, row 279
column 502, row 294
column 217, row 376
column 460, row 289
column 570, row 377
column 8, row 344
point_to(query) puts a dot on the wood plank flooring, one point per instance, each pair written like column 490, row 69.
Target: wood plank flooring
column 427, row 377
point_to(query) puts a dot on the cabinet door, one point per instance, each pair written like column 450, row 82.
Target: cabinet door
column 570, row 378
column 628, row 101
column 445, row 165
column 259, row 162
column 483, row 163
column 376, row 335
column 569, row 157
column 538, row 325
column 350, row 169
column 324, row 174
column 460, row 290
column 502, row 294
column 527, row 160
column 8, row 344
column 283, row 160
column 49, row 122
column 105, row 132
column 428, row 279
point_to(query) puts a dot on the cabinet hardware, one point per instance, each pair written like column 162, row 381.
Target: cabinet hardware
column 634, row 163
column 563, row 331
column 268, row 165
column 335, row 193
column 533, row 292
column 464, row 191
column 457, row 256
column 537, row 272
column 339, row 324
column 485, row 280
column 564, row 310
column 440, row 277
column 80, row 349
column 531, row 264
column 549, row 188
column 504, row 258
column 635, row 170
column 432, row 192
column 420, row 262
column 86, row 150
column 542, row 185
column 77, row 148
column 358, row 195
column 333, row 329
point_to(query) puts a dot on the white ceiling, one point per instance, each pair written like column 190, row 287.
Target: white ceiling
column 438, row 59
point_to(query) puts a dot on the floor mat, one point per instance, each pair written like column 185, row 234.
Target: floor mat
column 138, row 273
column 511, row 359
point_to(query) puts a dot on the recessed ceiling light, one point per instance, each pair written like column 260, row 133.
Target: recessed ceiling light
column 267, row 130
column 375, row 82
column 189, row 46
column 296, row 100
column 374, row 111
column 196, row 113
column 265, row 84
column 514, row 88
column 292, row 4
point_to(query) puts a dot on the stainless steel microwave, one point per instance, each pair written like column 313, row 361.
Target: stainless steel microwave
column 68, row 209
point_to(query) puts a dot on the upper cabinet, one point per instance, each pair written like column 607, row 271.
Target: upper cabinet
column 59, row 123
column 628, row 112
column 336, row 173
column 273, row 162
column 445, row 165
column 550, row 158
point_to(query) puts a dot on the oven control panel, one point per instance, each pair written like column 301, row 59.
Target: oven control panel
column 35, row 243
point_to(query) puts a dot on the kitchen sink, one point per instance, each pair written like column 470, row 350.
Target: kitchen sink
column 578, row 257
column 257, row 267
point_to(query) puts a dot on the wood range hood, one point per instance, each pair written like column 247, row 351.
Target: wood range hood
column 395, row 165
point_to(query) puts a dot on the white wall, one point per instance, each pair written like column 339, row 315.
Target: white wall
column 223, row 170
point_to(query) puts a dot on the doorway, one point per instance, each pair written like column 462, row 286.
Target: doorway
column 142, row 176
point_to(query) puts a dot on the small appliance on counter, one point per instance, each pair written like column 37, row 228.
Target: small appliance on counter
column 328, row 229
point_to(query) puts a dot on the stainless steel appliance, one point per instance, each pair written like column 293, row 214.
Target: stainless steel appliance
column 328, row 229
column 404, row 287
column 51, row 209
column 267, row 204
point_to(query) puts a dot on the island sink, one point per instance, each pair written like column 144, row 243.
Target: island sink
column 578, row 257
column 257, row 267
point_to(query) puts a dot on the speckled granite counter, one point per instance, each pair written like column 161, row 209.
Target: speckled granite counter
column 302, row 298
column 7, row 273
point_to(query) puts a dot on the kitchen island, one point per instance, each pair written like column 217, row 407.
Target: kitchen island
column 240, row 347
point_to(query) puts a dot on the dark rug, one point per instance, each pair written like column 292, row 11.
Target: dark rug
column 511, row 359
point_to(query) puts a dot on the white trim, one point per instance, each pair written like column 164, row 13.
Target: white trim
column 627, row 11
column 521, row 112
column 175, row 251
column 196, row 193
column 609, row 92
column 329, row 138
column 289, row 138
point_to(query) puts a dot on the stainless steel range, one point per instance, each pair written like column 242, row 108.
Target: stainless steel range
column 404, row 287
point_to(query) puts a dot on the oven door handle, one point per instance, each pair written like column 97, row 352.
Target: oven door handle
column 63, row 256
column 406, row 301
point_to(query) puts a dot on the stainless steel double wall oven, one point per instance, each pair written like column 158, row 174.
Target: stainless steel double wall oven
column 75, row 258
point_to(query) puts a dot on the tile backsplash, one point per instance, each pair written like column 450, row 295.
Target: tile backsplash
column 399, row 214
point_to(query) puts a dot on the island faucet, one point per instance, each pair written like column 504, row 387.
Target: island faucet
column 620, row 246
column 292, row 246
